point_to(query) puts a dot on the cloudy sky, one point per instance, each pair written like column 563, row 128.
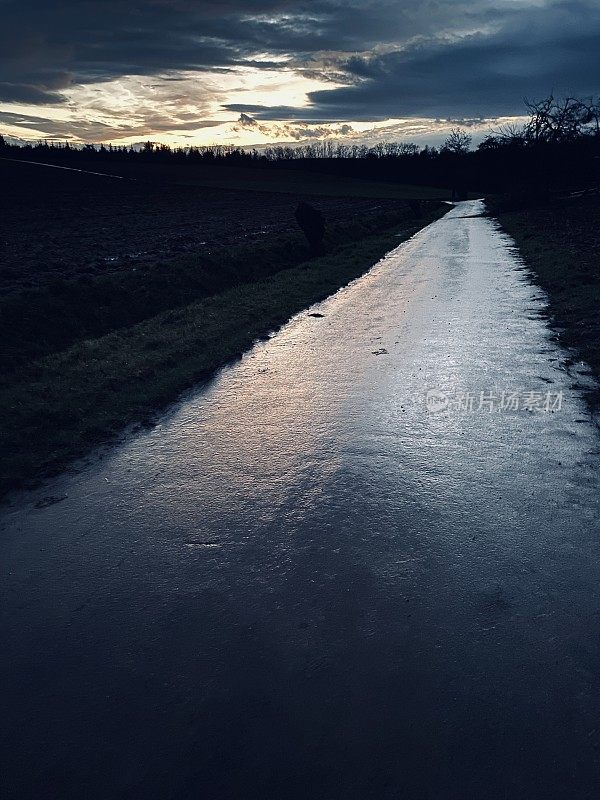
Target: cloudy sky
column 254, row 71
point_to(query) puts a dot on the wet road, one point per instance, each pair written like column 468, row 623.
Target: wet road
column 305, row 584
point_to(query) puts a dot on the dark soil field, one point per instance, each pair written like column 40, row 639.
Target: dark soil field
column 117, row 294
column 62, row 223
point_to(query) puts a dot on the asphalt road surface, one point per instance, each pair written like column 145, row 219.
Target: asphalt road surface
column 308, row 582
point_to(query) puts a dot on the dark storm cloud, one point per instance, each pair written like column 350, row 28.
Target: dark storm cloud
column 542, row 50
column 24, row 93
column 395, row 57
column 97, row 40
column 555, row 47
column 279, row 112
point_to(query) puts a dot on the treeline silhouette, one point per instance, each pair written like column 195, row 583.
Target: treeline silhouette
column 557, row 149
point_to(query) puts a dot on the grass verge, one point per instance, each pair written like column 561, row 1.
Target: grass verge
column 57, row 408
column 561, row 244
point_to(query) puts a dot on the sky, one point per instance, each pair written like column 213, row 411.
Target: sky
column 244, row 72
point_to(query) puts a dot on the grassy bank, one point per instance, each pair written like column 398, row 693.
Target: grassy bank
column 57, row 408
column 561, row 244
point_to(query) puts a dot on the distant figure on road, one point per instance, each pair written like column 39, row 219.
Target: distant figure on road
column 312, row 223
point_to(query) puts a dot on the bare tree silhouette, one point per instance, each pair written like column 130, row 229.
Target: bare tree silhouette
column 457, row 142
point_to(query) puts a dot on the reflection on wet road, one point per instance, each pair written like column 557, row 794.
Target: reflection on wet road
column 304, row 584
